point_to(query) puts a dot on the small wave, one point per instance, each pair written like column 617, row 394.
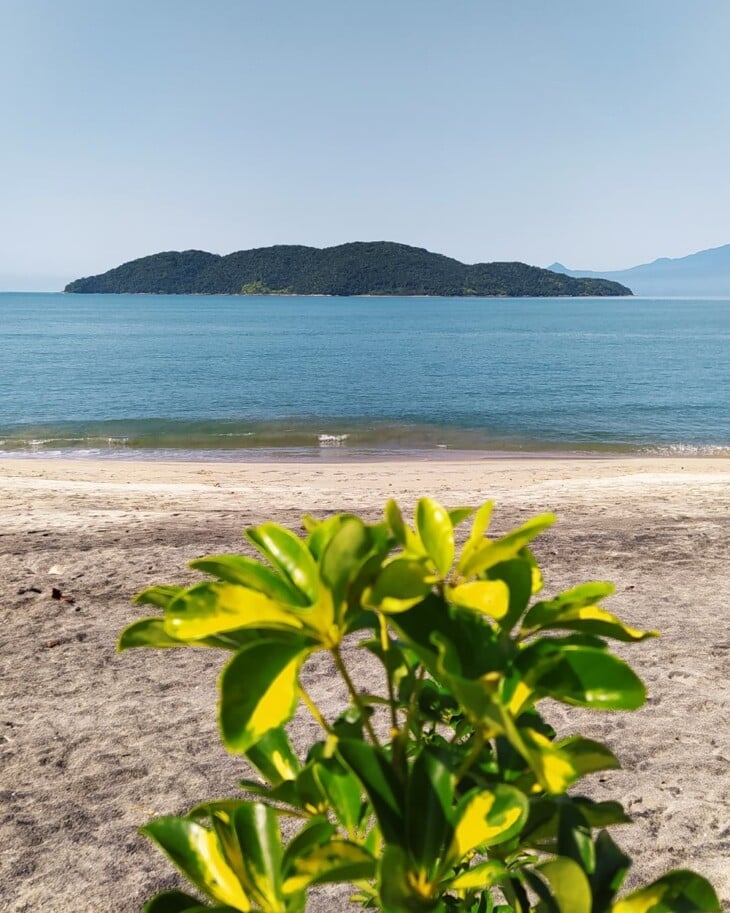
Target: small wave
column 689, row 450
column 332, row 440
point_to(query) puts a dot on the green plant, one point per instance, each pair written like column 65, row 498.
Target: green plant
column 446, row 790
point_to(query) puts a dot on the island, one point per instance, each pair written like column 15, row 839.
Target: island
column 357, row 268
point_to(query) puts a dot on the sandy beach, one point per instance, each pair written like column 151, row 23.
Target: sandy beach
column 93, row 743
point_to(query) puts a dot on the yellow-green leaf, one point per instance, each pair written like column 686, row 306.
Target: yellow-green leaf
column 259, row 691
column 248, row 572
column 288, row 554
column 197, row 853
column 436, row 532
column 590, row 619
column 150, row 632
column 569, row 885
column 680, row 891
column 487, row 597
column 553, row 768
column 479, row 876
column 404, row 535
column 399, row 586
column 209, row 608
column 457, row 515
column 479, row 527
column 336, row 860
column 487, row 817
column 509, row 546
column 160, row 596
column 256, row 829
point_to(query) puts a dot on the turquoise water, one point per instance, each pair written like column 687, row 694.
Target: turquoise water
column 230, row 376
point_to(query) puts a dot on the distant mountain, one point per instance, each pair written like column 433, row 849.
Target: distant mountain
column 360, row 268
column 704, row 274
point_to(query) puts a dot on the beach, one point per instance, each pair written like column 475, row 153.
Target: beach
column 93, row 743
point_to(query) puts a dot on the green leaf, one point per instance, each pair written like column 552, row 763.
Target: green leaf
column 476, row 647
column 601, row 814
column 310, row 795
column 574, row 837
column 316, row 832
column 396, row 888
column 517, row 574
column 429, row 800
column 541, row 830
column 404, row 535
column 551, row 766
column 476, row 536
column 537, row 579
column 171, row 902
column 259, row 691
column 197, row 853
column 344, row 555
column 375, row 772
column 479, row 877
column 289, row 555
column 221, row 808
column 680, row 891
column 399, row 586
column 577, row 597
column 582, row 676
column 437, row 533
column 160, row 596
column 457, row 515
column 569, row 886
column 212, row 608
column 342, row 789
column 257, row 831
column 507, row 547
column 588, row 756
column 576, row 610
column 322, row 531
column 250, row 573
column 150, row 632
column 335, row 861
column 612, row 864
column 274, row 757
column 485, row 818
column 486, row 597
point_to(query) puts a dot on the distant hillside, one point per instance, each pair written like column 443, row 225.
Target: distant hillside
column 360, row 268
column 704, row 274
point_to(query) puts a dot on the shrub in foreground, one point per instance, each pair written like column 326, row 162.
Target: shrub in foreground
column 441, row 787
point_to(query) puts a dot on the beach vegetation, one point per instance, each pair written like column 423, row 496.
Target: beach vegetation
column 439, row 785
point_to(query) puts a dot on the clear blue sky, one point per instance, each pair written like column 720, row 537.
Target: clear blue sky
column 595, row 133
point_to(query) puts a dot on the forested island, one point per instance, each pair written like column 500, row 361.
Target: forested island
column 358, row 268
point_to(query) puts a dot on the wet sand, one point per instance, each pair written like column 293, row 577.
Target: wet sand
column 93, row 743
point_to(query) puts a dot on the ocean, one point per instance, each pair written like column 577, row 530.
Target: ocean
column 215, row 377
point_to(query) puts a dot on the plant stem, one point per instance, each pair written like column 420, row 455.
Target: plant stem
column 342, row 668
column 401, row 743
column 314, row 710
column 475, row 751
column 385, row 644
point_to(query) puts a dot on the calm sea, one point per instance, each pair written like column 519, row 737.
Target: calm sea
column 225, row 377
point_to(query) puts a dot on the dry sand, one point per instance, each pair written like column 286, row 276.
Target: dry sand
column 93, row 743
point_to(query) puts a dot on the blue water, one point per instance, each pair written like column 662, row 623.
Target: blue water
column 124, row 373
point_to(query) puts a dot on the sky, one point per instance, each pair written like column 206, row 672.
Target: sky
column 593, row 133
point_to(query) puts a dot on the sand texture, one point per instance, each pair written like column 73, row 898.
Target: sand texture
column 93, row 743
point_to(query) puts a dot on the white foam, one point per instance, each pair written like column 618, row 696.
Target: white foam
column 332, row 440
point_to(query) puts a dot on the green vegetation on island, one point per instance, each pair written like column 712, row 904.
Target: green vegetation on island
column 359, row 268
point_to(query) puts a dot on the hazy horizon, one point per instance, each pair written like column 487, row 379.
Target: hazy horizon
column 485, row 131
